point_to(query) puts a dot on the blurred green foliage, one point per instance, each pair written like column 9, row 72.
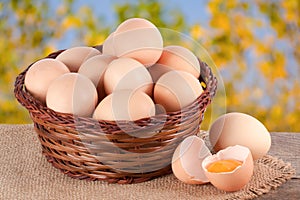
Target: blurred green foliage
column 256, row 40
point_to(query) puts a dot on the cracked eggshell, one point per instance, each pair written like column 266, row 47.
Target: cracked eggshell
column 233, row 180
column 75, row 56
column 187, row 160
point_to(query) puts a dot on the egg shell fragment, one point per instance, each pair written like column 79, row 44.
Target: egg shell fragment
column 74, row 57
column 240, row 129
column 236, row 179
column 187, row 160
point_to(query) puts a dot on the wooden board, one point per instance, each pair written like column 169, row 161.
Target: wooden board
column 287, row 147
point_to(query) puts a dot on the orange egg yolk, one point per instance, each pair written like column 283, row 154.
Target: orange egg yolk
column 224, row 166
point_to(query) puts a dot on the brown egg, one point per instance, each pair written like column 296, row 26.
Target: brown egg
column 108, row 48
column 180, row 58
column 125, row 105
column 230, row 169
column 157, row 70
column 41, row 74
column 176, row 89
column 75, row 56
column 139, row 39
column 240, row 129
column 187, row 160
column 127, row 73
column 94, row 69
column 72, row 93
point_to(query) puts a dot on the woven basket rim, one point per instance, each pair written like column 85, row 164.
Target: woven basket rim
column 63, row 145
column 20, row 88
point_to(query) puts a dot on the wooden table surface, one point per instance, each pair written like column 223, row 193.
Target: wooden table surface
column 287, row 147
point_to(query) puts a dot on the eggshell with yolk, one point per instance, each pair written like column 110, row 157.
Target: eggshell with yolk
column 236, row 179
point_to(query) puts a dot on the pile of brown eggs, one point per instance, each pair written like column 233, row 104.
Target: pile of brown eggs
column 133, row 72
column 125, row 81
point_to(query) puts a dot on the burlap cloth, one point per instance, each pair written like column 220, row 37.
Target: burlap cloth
column 25, row 174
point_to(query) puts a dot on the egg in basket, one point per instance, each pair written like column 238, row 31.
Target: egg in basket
column 117, row 111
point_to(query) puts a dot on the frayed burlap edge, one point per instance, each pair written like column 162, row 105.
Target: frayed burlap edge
column 256, row 188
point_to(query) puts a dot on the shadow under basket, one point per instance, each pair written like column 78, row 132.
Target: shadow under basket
column 114, row 151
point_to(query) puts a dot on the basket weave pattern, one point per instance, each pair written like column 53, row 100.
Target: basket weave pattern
column 86, row 148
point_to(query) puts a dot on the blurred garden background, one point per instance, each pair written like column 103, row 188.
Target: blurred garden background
column 253, row 43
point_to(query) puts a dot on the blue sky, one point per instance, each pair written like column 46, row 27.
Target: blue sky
column 193, row 10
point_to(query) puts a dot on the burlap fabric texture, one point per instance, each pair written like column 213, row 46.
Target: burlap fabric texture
column 25, row 174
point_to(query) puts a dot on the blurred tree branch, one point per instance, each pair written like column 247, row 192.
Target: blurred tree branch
column 258, row 39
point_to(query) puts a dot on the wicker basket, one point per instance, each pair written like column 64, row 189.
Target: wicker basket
column 85, row 148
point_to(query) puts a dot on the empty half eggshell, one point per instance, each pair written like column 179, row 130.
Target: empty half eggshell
column 139, row 39
column 75, row 56
column 180, row 58
column 187, row 160
column 41, row 74
column 230, row 180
